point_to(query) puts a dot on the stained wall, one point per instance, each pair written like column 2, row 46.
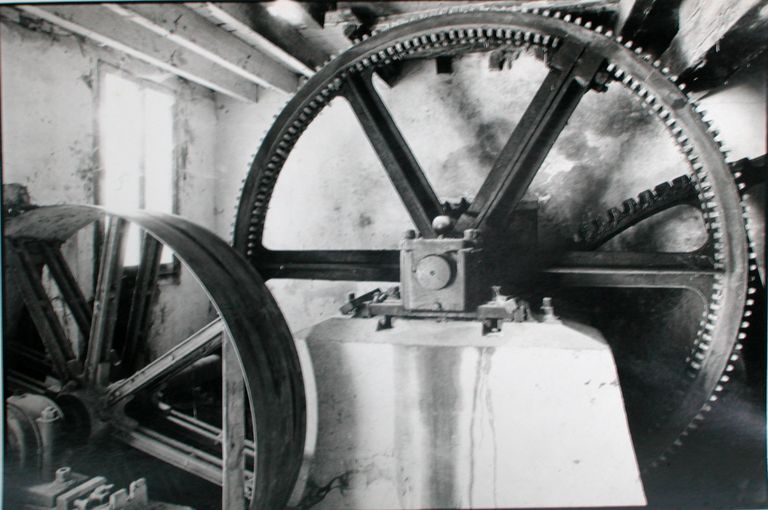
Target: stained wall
column 49, row 90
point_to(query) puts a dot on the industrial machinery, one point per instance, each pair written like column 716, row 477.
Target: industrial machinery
column 488, row 269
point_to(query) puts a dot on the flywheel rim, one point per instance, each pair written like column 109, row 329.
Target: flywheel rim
column 250, row 318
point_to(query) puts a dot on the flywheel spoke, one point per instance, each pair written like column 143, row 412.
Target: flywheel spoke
column 571, row 72
column 68, row 286
column 393, row 151
column 690, row 271
column 48, row 325
column 141, row 301
column 194, row 347
column 353, row 265
column 105, row 303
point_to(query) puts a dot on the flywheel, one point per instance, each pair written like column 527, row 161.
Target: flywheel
column 225, row 404
column 706, row 283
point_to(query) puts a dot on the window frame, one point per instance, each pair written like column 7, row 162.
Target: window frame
column 168, row 272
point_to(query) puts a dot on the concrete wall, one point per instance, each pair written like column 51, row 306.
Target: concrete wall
column 49, row 93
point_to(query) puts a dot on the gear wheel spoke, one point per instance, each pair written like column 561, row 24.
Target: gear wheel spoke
column 721, row 280
column 399, row 162
column 694, row 272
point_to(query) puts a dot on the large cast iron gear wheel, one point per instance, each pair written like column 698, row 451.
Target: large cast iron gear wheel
column 580, row 58
column 107, row 379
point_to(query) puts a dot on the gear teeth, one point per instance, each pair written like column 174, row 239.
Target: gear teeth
column 646, row 197
column 592, row 231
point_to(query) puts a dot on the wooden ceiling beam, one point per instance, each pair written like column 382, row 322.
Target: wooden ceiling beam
column 256, row 26
column 107, row 28
column 193, row 32
column 651, row 24
column 706, row 27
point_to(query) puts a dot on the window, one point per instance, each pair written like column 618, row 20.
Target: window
column 136, row 139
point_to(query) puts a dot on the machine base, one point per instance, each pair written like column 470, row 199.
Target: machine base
column 433, row 414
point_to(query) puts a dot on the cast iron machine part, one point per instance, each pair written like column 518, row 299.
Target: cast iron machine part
column 89, row 370
column 581, row 58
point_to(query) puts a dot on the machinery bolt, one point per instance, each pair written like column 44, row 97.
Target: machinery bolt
column 409, row 234
column 471, row 234
column 600, row 81
column 384, row 322
column 442, row 224
column 49, row 414
column 497, row 296
column 548, row 310
column 63, row 474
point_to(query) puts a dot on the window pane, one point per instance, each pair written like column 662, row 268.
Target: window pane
column 158, row 155
column 158, row 150
column 136, row 138
column 120, row 132
column 121, row 142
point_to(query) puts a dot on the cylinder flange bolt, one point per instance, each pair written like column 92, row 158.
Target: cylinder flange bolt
column 442, row 224
column 409, row 234
column 471, row 234
column 63, row 474
column 548, row 310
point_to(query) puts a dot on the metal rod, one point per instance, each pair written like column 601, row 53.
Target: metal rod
column 174, row 452
column 141, row 301
column 194, row 347
column 177, row 453
column 354, row 265
column 105, row 303
column 206, row 430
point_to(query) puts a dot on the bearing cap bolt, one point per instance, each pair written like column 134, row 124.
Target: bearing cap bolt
column 49, row 414
column 548, row 310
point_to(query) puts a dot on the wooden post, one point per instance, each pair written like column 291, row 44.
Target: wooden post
column 232, row 430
